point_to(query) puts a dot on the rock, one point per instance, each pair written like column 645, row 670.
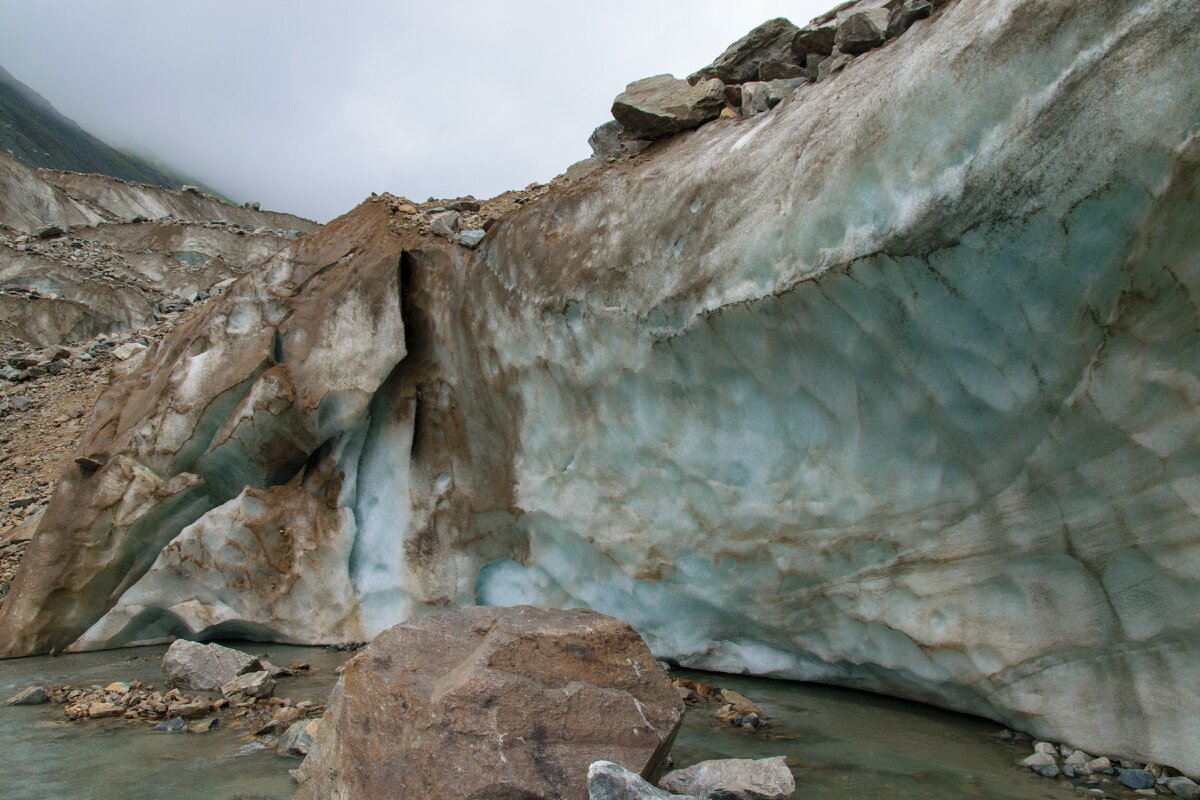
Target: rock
column 1045, row 747
column 1094, row 794
column 49, row 232
column 762, row 54
column 515, row 698
column 120, row 687
column 609, row 781
column 581, row 169
column 105, row 711
column 444, row 223
column 662, row 105
column 251, row 684
column 1099, row 765
column 171, row 725
column 204, row 726
column 471, row 238
column 1136, row 778
column 207, row 667
column 1183, row 787
column 740, row 703
column 30, row 696
column 1038, row 760
column 299, row 738
column 733, row 779
column 860, row 31
column 20, row 402
column 814, row 41
column 1078, row 758
column 905, row 14
column 1046, row 770
column 190, row 710
column 834, row 63
column 127, row 350
column 608, row 144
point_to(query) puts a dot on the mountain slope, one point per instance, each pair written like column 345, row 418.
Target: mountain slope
column 38, row 135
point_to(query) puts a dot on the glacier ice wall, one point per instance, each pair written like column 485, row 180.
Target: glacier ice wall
column 894, row 386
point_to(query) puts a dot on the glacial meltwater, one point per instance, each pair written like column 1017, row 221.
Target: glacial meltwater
column 840, row 743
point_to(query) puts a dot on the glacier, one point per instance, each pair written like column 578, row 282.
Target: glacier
column 894, row 387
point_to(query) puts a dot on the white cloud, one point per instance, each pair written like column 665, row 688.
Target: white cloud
column 309, row 107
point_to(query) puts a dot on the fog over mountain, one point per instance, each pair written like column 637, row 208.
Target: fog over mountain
column 309, row 107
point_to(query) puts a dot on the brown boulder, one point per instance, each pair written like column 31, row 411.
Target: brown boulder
column 492, row 702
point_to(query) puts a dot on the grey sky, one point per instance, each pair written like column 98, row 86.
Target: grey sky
column 309, row 107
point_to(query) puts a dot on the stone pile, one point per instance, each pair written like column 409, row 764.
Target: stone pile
column 173, row 710
column 753, row 75
column 463, row 220
column 1059, row 760
column 736, row 709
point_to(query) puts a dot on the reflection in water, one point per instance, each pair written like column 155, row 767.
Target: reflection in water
column 840, row 743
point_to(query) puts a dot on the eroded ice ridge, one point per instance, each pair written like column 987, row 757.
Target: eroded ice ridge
column 894, row 386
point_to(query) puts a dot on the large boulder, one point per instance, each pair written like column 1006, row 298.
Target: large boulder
column 191, row 665
column 609, row 781
column 482, row 702
column 662, row 105
column 764, row 53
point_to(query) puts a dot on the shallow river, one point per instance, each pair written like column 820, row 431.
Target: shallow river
column 841, row 744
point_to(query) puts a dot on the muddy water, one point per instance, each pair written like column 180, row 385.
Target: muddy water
column 841, row 744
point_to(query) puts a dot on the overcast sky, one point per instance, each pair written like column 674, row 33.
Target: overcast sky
column 310, row 106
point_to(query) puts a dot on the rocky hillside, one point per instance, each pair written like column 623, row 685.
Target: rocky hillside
column 35, row 133
column 83, row 255
column 888, row 381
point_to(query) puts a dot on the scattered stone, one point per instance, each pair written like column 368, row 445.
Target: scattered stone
column 1045, row 747
column 734, row 779
column 815, row 40
column 1038, row 760
column 1183, row 787
column 608, row 144
column 189, row 710
column 1078, row 758
column 860, row 31
column 1046, row 770
column 662, row 105
column 20, row 402
column 762, row 54
column 740, row 703
column 48, row 232
column 251, row 684
column 609, row 781
column 581, row 169
column 171, row 725
column 1101, row 764
column 127, row 350
column 905, row 14
column 833, row 64
column 105, row 710
column 204, row 726
column 205, row 667
column 471, row 238
column 119, row 687
column 299, row 738
column 1136, row 779
column 444, row 223
column 520, row 700
column 30, row 696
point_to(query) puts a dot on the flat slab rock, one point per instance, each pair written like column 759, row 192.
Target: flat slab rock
column 492, row 702
column 734, row 779
column 191, row 665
